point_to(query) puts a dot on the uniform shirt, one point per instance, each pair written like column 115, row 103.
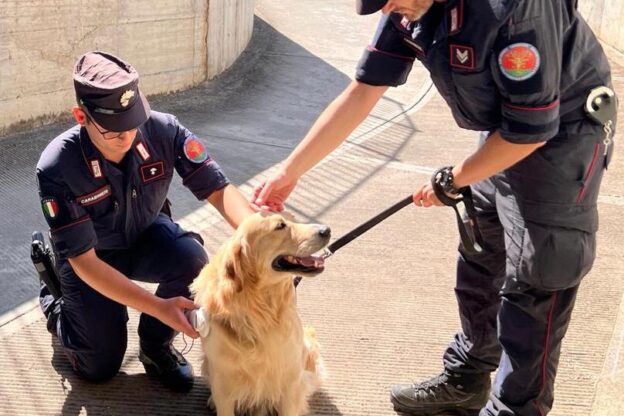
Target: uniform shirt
column 522, row 67
column 90, row 202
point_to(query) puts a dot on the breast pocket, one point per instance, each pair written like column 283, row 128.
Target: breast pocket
column 102, row 207
column 151, row 197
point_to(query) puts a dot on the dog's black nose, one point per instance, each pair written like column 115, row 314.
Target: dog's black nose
column 324, row 231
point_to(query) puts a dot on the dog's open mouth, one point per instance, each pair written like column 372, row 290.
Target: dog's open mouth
column 307, row 265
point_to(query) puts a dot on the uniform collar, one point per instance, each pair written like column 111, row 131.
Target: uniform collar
column 455, row 10
column 442, row 19
column 426, row 30
column 93, row 158
column 99, row 167
column 141, row 147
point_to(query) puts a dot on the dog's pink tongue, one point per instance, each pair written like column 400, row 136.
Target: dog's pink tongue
column 311, row 261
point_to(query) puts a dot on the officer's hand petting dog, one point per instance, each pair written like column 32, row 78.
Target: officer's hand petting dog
column 505, row 69
column 103, row 186
column 279, row 187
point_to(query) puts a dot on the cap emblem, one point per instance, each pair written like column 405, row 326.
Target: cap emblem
column 519, row 61
column 125, row 98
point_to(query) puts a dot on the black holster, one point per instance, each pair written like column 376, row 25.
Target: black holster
column 45, row 264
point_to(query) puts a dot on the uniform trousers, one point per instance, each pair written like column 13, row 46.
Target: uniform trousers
column 539, row 223
column 92, row 328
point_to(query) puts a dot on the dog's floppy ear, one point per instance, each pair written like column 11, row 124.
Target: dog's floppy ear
column 239, row 266
column 233, row 265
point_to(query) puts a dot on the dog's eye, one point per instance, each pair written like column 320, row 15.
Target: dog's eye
column 280, row 226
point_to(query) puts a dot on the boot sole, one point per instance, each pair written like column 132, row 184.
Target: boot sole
column 404, row 411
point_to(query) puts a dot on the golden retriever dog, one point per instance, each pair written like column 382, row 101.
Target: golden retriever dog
column 258, row 358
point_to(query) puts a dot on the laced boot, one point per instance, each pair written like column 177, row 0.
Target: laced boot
column 169, row 366
column 449, row 392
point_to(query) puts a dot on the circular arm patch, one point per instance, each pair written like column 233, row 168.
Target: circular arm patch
column 194, row 150
column 519, row 61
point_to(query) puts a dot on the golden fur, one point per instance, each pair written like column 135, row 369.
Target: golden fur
column 257, row 356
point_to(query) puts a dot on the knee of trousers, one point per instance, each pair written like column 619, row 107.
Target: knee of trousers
column 190, row 258
column 98, row 366
column 94, row 344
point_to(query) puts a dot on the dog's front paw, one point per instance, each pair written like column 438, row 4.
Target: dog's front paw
column 210, row 404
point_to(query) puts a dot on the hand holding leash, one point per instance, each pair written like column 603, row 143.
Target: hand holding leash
column 469, row 232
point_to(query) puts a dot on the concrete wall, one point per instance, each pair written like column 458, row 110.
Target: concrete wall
column 230, row 24
column 174, row 44
column 606, row 17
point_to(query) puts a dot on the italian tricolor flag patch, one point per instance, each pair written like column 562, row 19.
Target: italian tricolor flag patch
column 50, row 207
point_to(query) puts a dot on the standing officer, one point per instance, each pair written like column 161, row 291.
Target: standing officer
column 520, row 72
column 103, row 186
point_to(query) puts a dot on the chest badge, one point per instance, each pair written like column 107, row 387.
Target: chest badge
column 462, row 57
column 152, row 171
column 194, row 150
column 519, row 61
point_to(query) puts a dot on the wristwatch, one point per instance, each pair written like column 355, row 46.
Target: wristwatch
column 445, row 179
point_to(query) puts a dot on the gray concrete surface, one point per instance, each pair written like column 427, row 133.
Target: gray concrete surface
column 384, row 309
column 174, row 44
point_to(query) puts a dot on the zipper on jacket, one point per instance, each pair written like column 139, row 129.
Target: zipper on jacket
column 115, row 214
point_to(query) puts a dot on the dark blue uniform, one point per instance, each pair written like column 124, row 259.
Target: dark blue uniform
column 523, row 68
column 120, row 211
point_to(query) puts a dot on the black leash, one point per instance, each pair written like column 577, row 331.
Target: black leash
column 469, row 231
column 362, row 228
column 468, row 228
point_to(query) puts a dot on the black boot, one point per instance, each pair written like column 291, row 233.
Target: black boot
column 454, row 393
column 168, row 365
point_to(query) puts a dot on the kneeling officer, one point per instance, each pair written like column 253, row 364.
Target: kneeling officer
column 103, row 186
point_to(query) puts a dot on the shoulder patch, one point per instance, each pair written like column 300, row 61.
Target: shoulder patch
column 50, row 207
column 519, row 61
column 194, row 150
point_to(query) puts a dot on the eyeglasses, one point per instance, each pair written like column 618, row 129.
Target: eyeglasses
column 106, row 134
